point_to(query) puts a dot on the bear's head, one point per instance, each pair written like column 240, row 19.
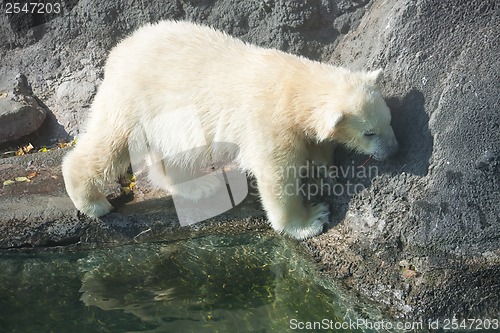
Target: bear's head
column 359, row 118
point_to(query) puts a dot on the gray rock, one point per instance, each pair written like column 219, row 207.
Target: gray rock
column 435, row 205
column 39, row 213
column 20, row 113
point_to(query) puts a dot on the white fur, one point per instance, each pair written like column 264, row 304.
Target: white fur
column 182, row 86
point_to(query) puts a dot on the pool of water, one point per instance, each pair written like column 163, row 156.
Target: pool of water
column 241, row 283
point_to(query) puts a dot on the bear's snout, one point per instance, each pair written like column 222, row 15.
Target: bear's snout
column 384, row 153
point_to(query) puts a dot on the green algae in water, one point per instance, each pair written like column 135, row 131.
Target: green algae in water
column 241, row 283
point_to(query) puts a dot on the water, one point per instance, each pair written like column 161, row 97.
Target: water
column 242, row 283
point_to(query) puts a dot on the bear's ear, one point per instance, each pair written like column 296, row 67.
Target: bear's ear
column 328, row 124
column 375, row 76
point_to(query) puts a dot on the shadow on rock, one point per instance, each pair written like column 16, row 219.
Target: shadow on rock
column 411, row 127
column 356, row 172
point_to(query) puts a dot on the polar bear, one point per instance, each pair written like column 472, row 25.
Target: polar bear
column 176, row 84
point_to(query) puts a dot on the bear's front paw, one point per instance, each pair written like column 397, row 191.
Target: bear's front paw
column 318, row 217
column 95, row 208
column 199, row 188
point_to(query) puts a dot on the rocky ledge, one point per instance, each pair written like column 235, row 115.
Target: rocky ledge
column 421, row 236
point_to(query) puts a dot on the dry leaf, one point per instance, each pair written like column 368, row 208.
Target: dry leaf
column 32, row 174
column 62, row 144
column 8, row 182
column 25, row 149
column 28, row 148
column 409, row 273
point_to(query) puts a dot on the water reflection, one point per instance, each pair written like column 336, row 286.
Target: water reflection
column 243, row 283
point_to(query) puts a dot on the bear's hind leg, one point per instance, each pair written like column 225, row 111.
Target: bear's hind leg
column 84, row 172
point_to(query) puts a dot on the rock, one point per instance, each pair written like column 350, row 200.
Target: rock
column 488, row 161
column 436, row 204
column 73, row 91
column 39, row 213
column 20, row 113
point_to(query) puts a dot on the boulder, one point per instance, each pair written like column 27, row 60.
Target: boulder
column 20, row 113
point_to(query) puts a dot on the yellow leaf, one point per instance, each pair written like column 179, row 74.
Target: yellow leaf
column 132, row 178
column 126, row 189
column 131, row 185
column 20, row 152
column 43, row 150
column 22, row 179
column 8, row 182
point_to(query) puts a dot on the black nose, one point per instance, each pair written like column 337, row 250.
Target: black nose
column 391, row 150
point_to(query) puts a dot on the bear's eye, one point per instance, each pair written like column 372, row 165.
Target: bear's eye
column 369, row 134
